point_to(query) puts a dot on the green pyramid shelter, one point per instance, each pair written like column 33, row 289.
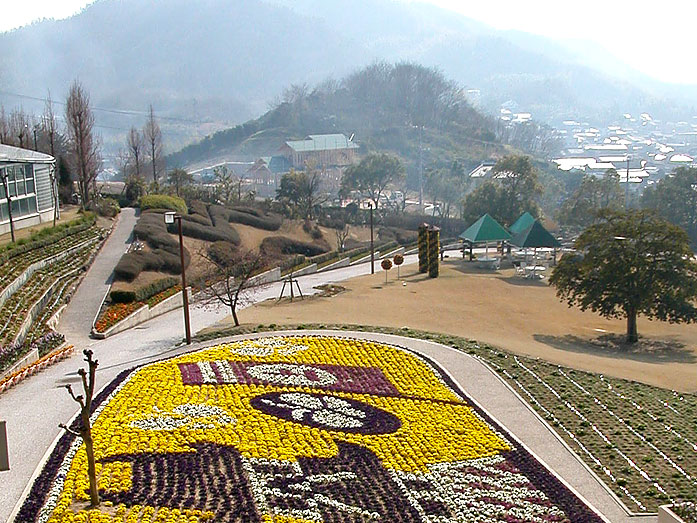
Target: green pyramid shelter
column 534, row 236
column 526, row 220
column 485, row 229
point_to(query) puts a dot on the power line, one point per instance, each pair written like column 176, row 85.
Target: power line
column 124, row 112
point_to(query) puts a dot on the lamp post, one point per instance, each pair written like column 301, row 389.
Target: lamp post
column 372, row 243
column 170, row 218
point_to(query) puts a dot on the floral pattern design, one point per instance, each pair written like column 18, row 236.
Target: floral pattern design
column 297, row 430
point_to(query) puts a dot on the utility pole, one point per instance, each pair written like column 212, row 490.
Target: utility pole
column 421, row 170
column 372, row 244
column 626, row 187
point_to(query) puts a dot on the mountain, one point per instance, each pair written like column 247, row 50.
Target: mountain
column 211, row 63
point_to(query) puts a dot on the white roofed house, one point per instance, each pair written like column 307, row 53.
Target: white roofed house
column 27, row 188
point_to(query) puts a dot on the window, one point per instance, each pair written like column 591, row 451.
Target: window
column 30, row 185
column 15, row 208
column 32, row 204
column 3, row 212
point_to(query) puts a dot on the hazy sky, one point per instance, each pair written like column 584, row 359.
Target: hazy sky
column 653, row 37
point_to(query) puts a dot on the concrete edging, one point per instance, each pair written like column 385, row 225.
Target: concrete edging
column 666, row 515
column 343, row 262
column 365, row 258
column 142, row 315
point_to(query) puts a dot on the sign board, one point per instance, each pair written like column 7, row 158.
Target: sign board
column 4, row 453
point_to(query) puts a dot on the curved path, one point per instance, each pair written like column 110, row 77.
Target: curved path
column 481, row 383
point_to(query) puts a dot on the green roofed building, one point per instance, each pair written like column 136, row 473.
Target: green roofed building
column 526, row 220
column 535, row 236
column 324, row 150
column 484, row 230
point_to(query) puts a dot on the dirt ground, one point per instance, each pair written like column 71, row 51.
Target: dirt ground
column 517, row 314
column 68, row 213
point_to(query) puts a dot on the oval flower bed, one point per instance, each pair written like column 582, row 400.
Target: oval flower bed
column 116, row 312
column 296, row 430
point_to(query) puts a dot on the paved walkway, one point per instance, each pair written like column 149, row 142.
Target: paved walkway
column 76, row 320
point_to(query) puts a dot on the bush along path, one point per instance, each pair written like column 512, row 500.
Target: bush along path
column 639, row 439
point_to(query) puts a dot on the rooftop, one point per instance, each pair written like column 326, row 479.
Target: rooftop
column 12, row 154
column 322, row 142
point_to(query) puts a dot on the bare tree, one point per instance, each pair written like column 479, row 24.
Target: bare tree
column 85, row 430
column 153, row 138
column 228, row 275
column 48, row 124
column 84, row 146
column 4, row 127
column 341, row 235
column 135, row 146
column 19, row 127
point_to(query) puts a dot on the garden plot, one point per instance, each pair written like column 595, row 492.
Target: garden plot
column 297, row 430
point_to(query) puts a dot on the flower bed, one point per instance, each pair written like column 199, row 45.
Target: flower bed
column 296, row 430
column 33, row 368
column 640, row 440
column 687, row 511
column 15, row 310
column 115, row 312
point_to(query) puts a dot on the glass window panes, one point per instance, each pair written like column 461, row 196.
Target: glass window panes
column 30, row 185
column 3, row 212
column 15, row 208
column 32, row 204
column 11, row 188
column 20, row 187
column 23, row 207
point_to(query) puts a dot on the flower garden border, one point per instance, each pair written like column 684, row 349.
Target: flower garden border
column 13, row 377
column 560, row 492
column 140, row 315
column 22, row 278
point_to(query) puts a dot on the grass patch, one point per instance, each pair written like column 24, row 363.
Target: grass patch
column 625, row 431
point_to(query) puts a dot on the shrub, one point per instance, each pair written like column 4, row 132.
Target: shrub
column 267, row 222
column 207, row 232
column 199, row 213
column 316, row 233
column 152, row 230
column 129, row 266
column 249, row 210
column 147, row 291
column 282, row 245
column 107, row 207
column 119, row 296
column 163, row 201
column 221, row 252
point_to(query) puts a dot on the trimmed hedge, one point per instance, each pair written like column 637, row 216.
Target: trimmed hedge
column 275, row 245
column 133, row 263
column 151, row 228
column 198, row 212
column 163, row 201
column 206, row 232
column 245, row 216
column 120, row 296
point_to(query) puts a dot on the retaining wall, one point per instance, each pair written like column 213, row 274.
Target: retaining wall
column 22, row 278
column 665, row 515
column 344, row 262
column 310, row 269
column 142, row 315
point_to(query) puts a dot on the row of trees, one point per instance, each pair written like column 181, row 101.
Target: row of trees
column 144, row 149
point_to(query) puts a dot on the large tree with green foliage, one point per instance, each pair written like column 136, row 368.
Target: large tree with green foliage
column 446, row 186
column 372, row 175
column 178, row 178
column 630, row 263
column 594, row 194
column 301, row 191
column 675, row 199
column 512, row 190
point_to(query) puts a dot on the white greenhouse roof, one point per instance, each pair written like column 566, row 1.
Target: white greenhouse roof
column 12, row 154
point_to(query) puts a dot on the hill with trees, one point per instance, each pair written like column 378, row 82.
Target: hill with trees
column 224, row 60
column 403, row 108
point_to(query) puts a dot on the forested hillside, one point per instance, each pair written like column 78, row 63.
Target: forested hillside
column 403, row 108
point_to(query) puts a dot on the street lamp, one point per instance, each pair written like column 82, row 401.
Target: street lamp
column 372, row 243
column 170, row 218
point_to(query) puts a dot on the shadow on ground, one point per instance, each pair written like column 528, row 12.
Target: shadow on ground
column 614, row 346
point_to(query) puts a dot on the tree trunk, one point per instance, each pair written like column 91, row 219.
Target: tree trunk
column 234, row 315
column 91, row 468
column 632, row 336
